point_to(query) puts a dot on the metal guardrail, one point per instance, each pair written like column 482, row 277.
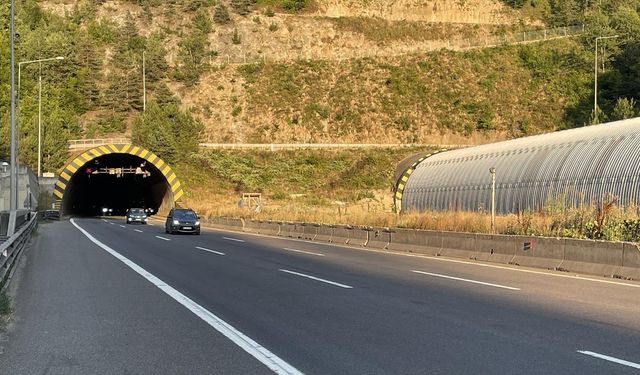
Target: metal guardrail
column 299, row 146
column 80, row 144
column 11, row 249
column 453, row 44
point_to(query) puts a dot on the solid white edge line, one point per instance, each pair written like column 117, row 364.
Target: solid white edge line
column 138, row 230
column 302, row 251
column 232, row 239
column 163, row 238
column 259, row 352
column 317, row 279
column 466, row 280
column 610, row 359
column 209, row 250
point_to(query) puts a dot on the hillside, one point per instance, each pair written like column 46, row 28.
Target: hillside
column 313, row 70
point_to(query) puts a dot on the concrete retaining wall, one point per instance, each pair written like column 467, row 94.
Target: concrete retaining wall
column 602, row 258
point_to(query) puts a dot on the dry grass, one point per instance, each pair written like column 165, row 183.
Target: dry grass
column 604, row 221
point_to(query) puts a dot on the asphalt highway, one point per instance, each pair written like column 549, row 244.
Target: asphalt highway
column 99, row 296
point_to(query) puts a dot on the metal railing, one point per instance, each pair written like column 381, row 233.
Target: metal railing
column 458, row 44
column 11, row 249
column 80, row 144
column 316, row 146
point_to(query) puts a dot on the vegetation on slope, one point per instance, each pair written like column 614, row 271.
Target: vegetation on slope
column 491, row 94
column 512, row 91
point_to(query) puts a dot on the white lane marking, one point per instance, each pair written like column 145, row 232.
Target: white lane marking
column 578, row 277
column 302, row 251
column 232, row 239
column 610, row 359
column 122, row 226
column 111, row 223
column 105, row 220
column 317, row 279
column 138, row 230
column 427, row 257
column 209, row 250
column 259, row 352
column 163, row 238
column 466, row 280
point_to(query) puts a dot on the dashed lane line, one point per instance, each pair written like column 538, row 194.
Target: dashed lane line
column 317, row 279
column 232, row 239
column 209, row 250
column 303, row 252
column 465, row 280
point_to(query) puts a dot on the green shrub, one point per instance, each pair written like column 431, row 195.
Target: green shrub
column 295, row 5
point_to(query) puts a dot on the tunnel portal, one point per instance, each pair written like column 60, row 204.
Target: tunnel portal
column 114, row 178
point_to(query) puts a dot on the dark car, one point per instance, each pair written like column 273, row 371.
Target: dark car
column 182, row 220
column 136, row 215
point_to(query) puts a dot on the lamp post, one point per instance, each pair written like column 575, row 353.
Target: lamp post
column 595, row 73
column 144, row 83
column 13, row 205
column 492, row 170
column 39, row 61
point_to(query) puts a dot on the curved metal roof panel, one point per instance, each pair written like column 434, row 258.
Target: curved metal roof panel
column 576, row 166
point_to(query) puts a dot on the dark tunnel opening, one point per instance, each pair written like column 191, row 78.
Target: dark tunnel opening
column 116, row 182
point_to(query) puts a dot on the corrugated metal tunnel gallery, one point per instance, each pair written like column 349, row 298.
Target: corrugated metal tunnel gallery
column 576, row 166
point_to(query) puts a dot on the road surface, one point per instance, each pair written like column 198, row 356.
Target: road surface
column 99, row 296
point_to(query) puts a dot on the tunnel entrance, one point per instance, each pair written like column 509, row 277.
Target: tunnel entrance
column 115, row 178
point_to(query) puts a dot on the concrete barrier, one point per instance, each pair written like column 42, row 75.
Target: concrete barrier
column 309, row 231
column 459, row 245
column 252, row 226
column 290, row 229
column 495, row 248
column 585, row 256
column 341, row 234
column 594, row 257
column 271, row 228
column 630, row 261
column 325, row 233
column 539, row 252
column 359, row 236
column 415, row 241
column 379, row 238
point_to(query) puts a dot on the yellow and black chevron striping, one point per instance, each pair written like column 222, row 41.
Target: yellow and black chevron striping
column 402, row 182
column 78, row 162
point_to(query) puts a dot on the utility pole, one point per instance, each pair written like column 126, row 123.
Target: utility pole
column 39, row 118
column 492, row 170
column 13, row 205
column 144, row 82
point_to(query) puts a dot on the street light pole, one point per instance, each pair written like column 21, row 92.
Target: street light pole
column 144, row 83
column 39, row 61
column 595, row 73
column 39, row 118
column 13, row 205
column 492, row 170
